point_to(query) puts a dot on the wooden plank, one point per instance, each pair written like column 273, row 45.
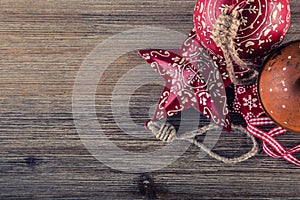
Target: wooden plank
column 42, row 47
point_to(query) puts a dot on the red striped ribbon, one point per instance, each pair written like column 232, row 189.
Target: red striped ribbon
column 270, row 145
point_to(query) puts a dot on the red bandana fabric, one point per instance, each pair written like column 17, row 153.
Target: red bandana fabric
column 193, row 80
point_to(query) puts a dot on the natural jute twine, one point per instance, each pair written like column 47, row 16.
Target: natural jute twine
column 167, row 133
column 224, row 35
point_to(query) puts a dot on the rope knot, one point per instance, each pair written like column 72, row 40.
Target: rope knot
column 162, row 131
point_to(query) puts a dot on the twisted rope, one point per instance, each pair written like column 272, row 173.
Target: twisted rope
column 224, row 33
column 167, row 133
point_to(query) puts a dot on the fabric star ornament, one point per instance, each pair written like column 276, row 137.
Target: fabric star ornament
column 247, row 104
column 192, row 80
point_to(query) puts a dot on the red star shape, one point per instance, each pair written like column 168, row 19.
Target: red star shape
column 192, row 80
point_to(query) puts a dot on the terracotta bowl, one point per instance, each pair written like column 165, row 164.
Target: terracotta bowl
column 279, row 86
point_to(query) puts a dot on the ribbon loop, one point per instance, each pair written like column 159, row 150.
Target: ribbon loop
column 271, row 146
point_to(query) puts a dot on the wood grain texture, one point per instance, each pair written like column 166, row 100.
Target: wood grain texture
column 42, row 46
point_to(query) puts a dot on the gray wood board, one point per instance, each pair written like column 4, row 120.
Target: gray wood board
column 42, row 47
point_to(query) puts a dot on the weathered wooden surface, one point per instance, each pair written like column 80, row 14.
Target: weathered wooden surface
column 42, row 46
